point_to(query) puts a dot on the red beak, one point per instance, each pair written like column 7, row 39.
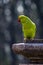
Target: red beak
column 18, row 20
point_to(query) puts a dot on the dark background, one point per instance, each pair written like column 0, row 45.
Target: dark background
column 10, row 29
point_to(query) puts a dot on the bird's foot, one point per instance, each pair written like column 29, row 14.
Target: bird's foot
column 25, row 39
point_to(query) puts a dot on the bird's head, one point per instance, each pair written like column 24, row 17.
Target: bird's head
column 21, row 18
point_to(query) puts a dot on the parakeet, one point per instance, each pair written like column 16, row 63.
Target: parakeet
column 28, row 27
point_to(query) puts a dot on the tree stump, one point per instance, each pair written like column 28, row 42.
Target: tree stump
column 32, row 49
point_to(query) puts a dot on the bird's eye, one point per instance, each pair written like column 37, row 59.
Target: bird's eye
column 18, row 20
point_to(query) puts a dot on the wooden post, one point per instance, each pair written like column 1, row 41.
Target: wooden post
column 32, row 49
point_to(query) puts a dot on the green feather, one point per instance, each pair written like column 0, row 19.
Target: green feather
column 28, row 27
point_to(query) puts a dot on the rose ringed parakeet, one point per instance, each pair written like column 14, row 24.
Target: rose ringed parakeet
column 28, row 27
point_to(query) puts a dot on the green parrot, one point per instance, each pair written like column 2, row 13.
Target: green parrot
column 28, row 27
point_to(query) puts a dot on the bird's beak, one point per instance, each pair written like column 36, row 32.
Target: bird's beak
column 18, row 19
